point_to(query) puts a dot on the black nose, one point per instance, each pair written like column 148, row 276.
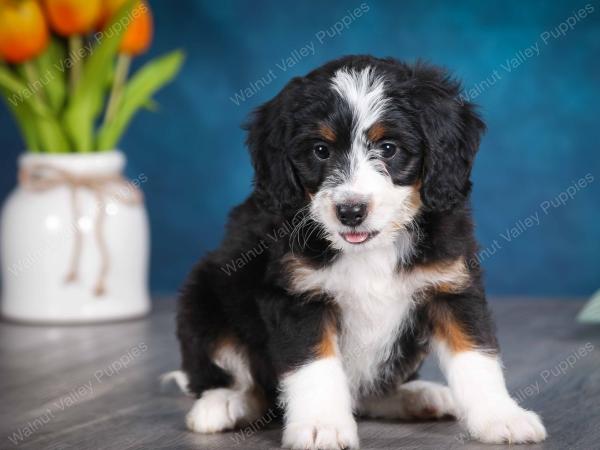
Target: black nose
column 351, row 214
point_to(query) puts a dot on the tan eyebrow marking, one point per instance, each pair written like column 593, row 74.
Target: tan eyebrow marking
column 327, row 132
column 376, row 132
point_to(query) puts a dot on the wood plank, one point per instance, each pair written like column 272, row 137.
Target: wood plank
column 81, row 387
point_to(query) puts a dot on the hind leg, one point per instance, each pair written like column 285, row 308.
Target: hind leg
column 216, row 366
column 223, row 409
column 229, row 407
column 412, row 400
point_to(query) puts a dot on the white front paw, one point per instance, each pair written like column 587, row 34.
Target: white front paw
column 505, row 423
column 321, row 435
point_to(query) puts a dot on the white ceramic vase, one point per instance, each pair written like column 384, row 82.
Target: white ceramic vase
column 74, row 241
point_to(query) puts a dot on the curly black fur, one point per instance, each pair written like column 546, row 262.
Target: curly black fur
column 242, row 289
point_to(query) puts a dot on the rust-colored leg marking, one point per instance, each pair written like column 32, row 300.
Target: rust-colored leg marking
column 448, row 330
column 328, row 344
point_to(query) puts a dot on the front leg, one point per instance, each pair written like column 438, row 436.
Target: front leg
column 314, row 390
column 468, row 355
column 318, row 407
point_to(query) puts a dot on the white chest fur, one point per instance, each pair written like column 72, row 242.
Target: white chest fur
column 375, row 301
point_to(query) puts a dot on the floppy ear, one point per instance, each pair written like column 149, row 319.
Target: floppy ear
column 452, row 131
column 276, row 185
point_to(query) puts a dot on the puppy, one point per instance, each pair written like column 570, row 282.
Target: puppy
column 352, row 259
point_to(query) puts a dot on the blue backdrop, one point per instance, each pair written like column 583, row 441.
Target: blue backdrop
column 533, row 67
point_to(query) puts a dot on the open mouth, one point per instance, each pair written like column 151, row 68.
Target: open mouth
column 358, row 237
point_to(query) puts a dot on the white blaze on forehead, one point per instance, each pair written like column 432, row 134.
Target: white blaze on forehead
column 364, row 92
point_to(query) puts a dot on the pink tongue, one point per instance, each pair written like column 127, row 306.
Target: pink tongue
column 356, row 238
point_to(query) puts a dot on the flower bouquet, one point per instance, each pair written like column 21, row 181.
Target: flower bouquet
column 74, row 233
column 56, row 86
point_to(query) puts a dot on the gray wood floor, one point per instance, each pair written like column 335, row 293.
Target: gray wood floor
column 95, row 387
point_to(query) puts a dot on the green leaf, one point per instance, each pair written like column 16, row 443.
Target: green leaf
column 137, row 94
column 51, row 67
column 151, row 105
column 86, row 102
column 110, row 78
column 28, row 107
column 51, row 135
column 16, row 91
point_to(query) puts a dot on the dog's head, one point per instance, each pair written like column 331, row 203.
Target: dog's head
column 363, row 144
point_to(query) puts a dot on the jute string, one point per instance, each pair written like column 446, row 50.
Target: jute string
column 44, row 177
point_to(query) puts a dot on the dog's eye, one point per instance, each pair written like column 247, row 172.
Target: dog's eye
column 321, row 151
column 388, row 149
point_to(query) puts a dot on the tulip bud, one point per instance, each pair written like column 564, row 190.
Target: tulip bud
column 23, row 30
column 138, row 36
column 69, row 17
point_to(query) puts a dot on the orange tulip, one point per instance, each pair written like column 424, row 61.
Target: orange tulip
column 138, row 36
column 68, row 17
column 23, row 30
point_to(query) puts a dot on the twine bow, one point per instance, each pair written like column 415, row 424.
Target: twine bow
column 43, row 177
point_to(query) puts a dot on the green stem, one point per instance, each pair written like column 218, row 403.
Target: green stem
column 33, row 80
column 75, row 46
column 121, row 72
column 49, row 132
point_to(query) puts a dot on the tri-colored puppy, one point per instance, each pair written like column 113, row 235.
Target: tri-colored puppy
column 367, row 161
